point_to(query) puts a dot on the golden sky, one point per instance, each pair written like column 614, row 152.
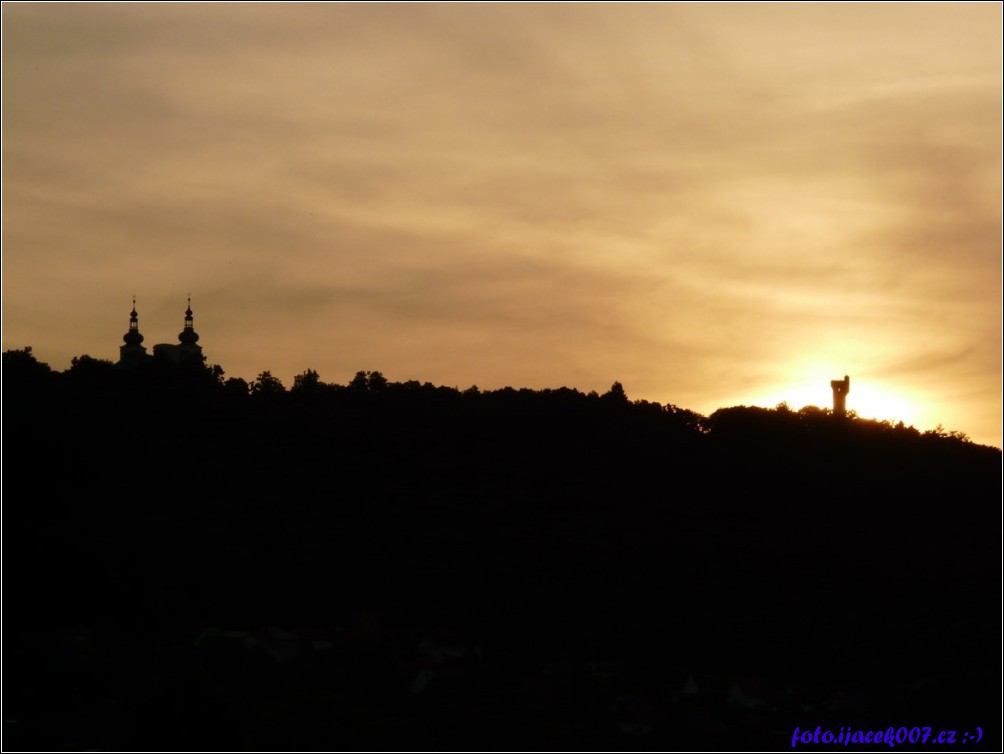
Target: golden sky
column 713, row 204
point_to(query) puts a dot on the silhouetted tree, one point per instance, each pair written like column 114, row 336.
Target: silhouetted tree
column 376, row 382
column 236, row 386
column 360, row 382
column 21, row 364
column 89, row 365
column 940, row 431
column 307, row 381
column 25, row 359
column 616, row 394
column 266, row 385
column 371, row 382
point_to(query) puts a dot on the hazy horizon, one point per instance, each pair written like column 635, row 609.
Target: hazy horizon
column 712, row 204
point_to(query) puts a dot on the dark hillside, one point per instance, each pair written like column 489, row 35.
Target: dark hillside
column 194, row 564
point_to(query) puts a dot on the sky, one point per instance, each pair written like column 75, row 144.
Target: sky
column 713, row 204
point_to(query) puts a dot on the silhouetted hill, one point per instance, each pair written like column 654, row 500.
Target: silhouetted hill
column 200, row 563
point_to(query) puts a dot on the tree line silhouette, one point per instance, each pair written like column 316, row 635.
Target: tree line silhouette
column 199, row 562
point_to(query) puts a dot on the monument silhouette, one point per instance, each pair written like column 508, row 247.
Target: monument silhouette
column 840, row 390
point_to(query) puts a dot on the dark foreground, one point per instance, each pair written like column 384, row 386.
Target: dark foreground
column 408, row 567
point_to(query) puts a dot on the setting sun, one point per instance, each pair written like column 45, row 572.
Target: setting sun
column 869, row 398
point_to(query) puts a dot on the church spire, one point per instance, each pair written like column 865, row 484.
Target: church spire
column 188, row 336
column 133, row 352
column 133, row 337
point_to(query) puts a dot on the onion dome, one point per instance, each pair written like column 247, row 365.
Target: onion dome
column 188, row 336
column 133, row 337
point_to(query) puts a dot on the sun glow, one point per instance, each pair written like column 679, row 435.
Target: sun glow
column 868, row 398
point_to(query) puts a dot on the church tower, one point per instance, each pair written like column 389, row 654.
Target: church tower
column 187, row 349
column 188, row 339
column 133, row 352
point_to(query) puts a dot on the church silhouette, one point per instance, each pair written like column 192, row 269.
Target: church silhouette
column 186, row 350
